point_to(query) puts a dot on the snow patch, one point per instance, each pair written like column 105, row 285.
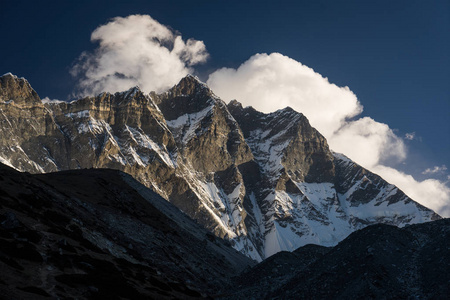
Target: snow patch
column 80, row 114
column 47, row 100
column 185, row 126
column 6, row 161
column 144, row 141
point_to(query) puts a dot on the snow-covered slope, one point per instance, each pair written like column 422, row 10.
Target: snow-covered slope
column 266, row 182
column 308, row 194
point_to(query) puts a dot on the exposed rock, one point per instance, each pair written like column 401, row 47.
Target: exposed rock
column 208, row 137
column 288, row 135
column 265, row 182
column 18, row 90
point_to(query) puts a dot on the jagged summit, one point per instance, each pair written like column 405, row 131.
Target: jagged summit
column 189, row 85
column 284, row 141
column 18, row 90
column 287, row 110
column 190, row 95
column 235, row 103
column 131, row 92
column 251, row 119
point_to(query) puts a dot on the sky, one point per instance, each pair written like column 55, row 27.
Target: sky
column 372, row 76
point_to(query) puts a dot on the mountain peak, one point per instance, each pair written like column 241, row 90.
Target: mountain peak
column 190, row 95
column 190, row 85
column 9, row 74
column 235, row 105
column 18, row 90
column 288, row 109
column 192, row 78
column 131, row 92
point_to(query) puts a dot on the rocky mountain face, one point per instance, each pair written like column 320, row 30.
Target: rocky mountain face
column 100, row 234
column 265, row 182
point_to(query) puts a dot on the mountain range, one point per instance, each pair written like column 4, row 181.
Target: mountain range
column 264, row 182
column 180, row 195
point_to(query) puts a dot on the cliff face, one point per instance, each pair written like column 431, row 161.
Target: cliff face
column 266, row 182
column 18, row 90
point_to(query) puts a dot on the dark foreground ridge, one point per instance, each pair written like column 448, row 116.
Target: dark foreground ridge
column 377, row 262
column 90, row 234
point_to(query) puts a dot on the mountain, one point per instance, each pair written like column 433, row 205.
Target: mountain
column 378, row 262
column 265, row 182
column 100, row 234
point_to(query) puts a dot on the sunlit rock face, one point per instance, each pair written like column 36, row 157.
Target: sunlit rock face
column 266, row 182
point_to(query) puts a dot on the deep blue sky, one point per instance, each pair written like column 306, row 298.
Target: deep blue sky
column 393, row 54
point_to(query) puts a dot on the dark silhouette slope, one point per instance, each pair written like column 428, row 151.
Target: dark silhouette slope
column 90, row 234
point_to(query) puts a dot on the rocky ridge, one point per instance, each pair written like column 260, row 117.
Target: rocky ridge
column 377, row 262
column 100, row 234
column 266, row 182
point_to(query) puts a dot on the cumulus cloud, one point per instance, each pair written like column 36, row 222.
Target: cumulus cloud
column 136, row 50
column 269, row 82
column 435, row 170
column 368, row 142
column 272, row 81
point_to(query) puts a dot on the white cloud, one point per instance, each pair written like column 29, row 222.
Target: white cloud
column 431, row 193
column 272, row 81
column 269, row 82
column 435, row 170
column 136, row 50
column 367, row 142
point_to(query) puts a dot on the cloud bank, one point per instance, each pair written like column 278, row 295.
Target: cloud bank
column 272, row 81
column 136, row 50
